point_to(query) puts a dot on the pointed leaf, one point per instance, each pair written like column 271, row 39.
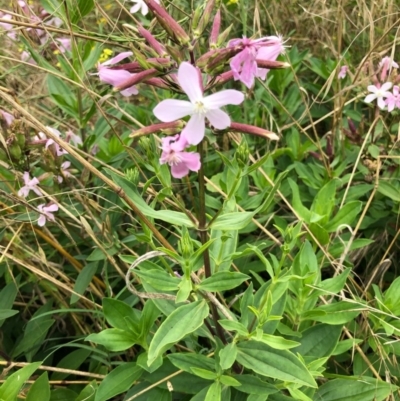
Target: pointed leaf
column 276, row 364
column 181, row 322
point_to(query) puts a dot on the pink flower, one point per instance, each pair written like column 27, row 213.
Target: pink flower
column 25, row 56
column 116, row 77
column 393, row 100
column 343, row 72
column 8, row 27
column 59, row 150
column 244, row 64
column 379, row 93
column 271, row 48
column 181, row 162
column 7, row 117
column 46, row 213
column 30, row 185
column 63, row 44
column 73, row 138
column 65, row 172
column 198, row 107
column 140, row 5
column 388, row 63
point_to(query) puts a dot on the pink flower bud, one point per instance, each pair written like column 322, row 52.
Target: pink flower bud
column 174, row 30
column 215, row 29
column 152, row 41
column 253, row 130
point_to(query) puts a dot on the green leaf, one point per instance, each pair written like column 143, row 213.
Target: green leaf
column 336, row 313
column 6, row 313
column 214, row 392
column 80, row 8
column 10, row 388
column 204, row 373
column 113, row 339
column 34, row 335
column 231, row 325
column 389, row 190
column 7, row 297
column 83, row 280
column 159, row 279
column 278, row 342
column 71, row 361
column 346, row 215
column 188, row 361
column 325, row 201
column 121, row 379
column 169, row 216
column 88, row 393
column 276, row 364
column 222, row 281
column 227, row 356
column 119, row 315
column 354, row 389
column 232, row 221
column 229, row 381
column 254, row 385
column 302, row 211
column 40, row 389
column 62, row 95
column 185, row 288
column 332, row 285
column 319, row 341
column 181, row 322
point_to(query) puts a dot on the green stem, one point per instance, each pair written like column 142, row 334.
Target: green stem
column 204, row 238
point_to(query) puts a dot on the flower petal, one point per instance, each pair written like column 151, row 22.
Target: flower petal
column 130, row 91
column 173, row 109
column 218, row 119
column 370, row 98
column 189, row 79
column 372, row 88
column 179, row 170
column 134, row 9
column 192, row 160
column 386, row 86
column 195, row 129
column 145, row 9
column 117, row 59
column 219, row 99
column 52, row 208
column 113, row 77
column 42, row 220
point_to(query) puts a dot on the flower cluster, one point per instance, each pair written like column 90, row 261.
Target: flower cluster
column 39, row 17
column 385, row 92
column 164, row 67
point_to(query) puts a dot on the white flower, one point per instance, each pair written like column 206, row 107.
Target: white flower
column 379, row 93
column 140, row 5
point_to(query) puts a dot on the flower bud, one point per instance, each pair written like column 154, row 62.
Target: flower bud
column 132, row 175
column 167, row 128
column 215, row 30
column 272, row 65
column 136, row 79
column 205, row 18
column 174, row 30
column 224, row 35
column 152, row 41
column 185, row 244
column 242, row 153
column 175, row 54
column 15, row 150
column 253, row 130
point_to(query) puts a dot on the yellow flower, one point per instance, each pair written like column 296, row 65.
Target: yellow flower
column 105, row 55
column 230, row 2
